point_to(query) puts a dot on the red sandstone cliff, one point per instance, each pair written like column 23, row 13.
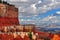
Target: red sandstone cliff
column 8, row 15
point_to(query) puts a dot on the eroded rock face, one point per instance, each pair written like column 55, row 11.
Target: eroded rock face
column 12, row 11
column 8, row 15
column 2, row 9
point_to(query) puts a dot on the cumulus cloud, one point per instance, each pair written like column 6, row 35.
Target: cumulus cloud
column 30, row 9
column 44, row 7
column 34, row 7
column 52, row 19
column 58, row 12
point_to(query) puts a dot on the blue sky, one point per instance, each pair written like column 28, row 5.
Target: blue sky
column 50, row 12
column 36, row 11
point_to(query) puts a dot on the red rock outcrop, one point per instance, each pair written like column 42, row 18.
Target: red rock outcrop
column 8, row 15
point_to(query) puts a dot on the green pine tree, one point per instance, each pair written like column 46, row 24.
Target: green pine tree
column 30, row 35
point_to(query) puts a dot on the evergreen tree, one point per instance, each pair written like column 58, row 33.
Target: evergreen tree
column 30, row 35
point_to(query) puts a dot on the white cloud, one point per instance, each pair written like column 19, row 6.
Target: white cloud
column 22, row 20
column 13, row 0
column 44, row 6
column 24, row 0
column 28, row 20
column 39, row 1
column 33, row 6
column 35, row 15
column 58, row 12
column 53, row 0
column 51, row 4
column 29, row 8
column 51, row 19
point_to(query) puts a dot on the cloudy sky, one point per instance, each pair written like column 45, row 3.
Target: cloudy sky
column 37, row 11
